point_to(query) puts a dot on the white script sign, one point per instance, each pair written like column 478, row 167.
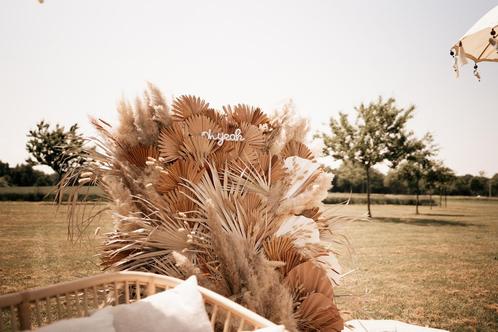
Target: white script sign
column 222, row 137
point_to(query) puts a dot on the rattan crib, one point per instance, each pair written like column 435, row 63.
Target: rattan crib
column 40, row 306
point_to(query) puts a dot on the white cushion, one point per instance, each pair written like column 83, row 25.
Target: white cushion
column 384, row 326
column 100, row 321
column 175, row 310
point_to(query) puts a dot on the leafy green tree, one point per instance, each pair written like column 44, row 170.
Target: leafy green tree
column 418, row 164
column 394, row 183
column 348, row 177
column 461, row 185
column 477, row 185
column 379, row 134
column 440, row 178
column 57, row 148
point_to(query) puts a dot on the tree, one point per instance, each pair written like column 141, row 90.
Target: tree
column 56, row 148
column 418, row 164
column 440, row 177
column 378, row 134
column 394, row 184
column 351, row 177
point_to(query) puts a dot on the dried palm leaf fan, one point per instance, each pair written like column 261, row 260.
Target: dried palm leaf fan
column 233, row 196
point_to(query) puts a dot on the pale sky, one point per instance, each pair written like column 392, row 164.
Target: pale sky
column 67, row 59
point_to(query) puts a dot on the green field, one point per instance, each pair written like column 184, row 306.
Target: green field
column 438, row 269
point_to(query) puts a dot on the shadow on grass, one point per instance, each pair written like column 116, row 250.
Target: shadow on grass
column 443, row 215
column 423, row 222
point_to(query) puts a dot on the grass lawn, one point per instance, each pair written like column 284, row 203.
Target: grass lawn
column 439, row 268
column 35, row 250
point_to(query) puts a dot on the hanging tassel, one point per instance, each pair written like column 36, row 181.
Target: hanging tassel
column 462, row 59
column 493, row 43
column 476, row 73
column 455, row 64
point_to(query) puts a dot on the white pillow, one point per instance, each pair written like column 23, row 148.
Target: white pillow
column 385, row 326
column 175, row 310
column 100, row 321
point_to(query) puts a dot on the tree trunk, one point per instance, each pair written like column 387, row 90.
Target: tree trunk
column 430, row 198
column 368, row 191
column 416, row 204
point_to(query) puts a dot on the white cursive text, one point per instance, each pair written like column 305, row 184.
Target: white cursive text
column 222, row 137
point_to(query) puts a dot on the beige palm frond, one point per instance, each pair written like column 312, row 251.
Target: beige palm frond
column 176, row 201
column 271, row 166
column 319, row 313
column 213, row 192
column 170, row 141
column 295, row 148
column 176, row 173
column 308, row 278
column 253, row 136
column 199, row 123
column 281, row 248
column 216, row 117
column 240, row 151
column 197, row 148
column 220, row 159
column 241, row 114
column 137, row 155
column 186, row 106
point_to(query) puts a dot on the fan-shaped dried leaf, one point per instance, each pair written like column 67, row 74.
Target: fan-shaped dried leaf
column 295, row 148
column 281, row 248
column 318, row 312
column 196, row 124
column 216, row 117
column 186, row 106
column 170, row 142
column 241, row 114
column 198, row 148
column 177, row 173
column 138, row 154
column 271, row 166
column 252, row 136
column 308, row 278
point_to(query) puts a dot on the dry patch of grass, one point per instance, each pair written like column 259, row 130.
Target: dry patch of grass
column 35, row 250
column 438, row 269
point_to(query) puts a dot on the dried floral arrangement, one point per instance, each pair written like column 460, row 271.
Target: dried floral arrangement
column 245, row 215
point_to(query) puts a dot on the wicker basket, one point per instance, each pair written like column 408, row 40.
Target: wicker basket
column 40, row 306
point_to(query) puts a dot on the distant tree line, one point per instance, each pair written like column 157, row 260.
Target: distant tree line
column 351, row 178
column 24, row 175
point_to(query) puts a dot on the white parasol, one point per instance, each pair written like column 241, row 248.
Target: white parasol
column 479, row 44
